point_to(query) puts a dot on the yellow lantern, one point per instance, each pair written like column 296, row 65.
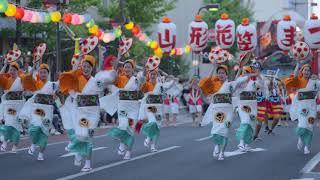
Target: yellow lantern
column 55, row 16
column 129, row 26
column 158, row 52
column 11, row 10
column 187, row 49
column 154, row 45
column 94, row 29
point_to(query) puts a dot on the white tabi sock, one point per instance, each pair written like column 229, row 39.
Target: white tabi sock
column 33, row 147
column 122, row 147
column 40, row 156
column 87, row 164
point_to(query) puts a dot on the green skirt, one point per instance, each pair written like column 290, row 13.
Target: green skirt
column 81, row 147
column 10, row 133
column 124, row 136
column 245, row 132
column 71, row 134
column 219, row 140
column 305, row 135
column 151, row 130
column 37, row 136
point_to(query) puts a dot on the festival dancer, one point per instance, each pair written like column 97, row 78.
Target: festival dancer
column 82, row 109
column 38, row 110
column 128, row 107
column 195, row 102
column 298, row 80
column 247, row 110
column 304, row 104
column 263, row 103
column 12, row 102
column 151, row 109
column 171, row 102
column 220, row 111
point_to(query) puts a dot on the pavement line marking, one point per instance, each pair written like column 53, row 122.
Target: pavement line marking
column 72, row 154
column 51, row 144
column 304, row 179
column 239, row 152
column 311, row 164
column 62, row 142
column 203, row 139
column 116, row 164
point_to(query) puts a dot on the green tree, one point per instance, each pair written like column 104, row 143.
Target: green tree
column 145, row 13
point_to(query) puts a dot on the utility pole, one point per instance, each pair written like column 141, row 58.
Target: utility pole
column 121, row 7
column 18, row 28
column 58, row 47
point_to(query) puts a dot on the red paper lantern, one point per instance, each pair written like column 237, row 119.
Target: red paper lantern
column 67, row 18
column 135, row 30
column 19, row 13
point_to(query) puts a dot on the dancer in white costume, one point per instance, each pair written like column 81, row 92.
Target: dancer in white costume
column 128, row 107
column 81, row 111
column 151, row 109
column 12, row 102
column 171, row 102
column 38, row 110
column 220, row 111
column 247, row 110
column 305, row 110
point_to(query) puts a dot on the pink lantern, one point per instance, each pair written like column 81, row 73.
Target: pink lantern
column 286, row 33
column 75, row 19
column 167, row 35
column 35, row 17
column 246, row 36
column 27, row 15
column 225, row 32
column 198, row 34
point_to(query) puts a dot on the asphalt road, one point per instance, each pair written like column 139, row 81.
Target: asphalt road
column 184, row 153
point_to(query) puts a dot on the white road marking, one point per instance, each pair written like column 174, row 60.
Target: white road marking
column 203, row 139
column 304, row 179
column 238, row 152
column 51, row 144
column 72, row 154
column 311, row 164
column 116, row 164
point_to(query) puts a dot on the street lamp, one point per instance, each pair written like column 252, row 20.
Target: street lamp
column 210, row 7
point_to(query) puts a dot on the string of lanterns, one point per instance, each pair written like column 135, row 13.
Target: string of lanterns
column 35, row 16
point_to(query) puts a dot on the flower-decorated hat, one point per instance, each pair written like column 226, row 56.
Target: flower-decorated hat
column 88, row 45
column 13, row 54
column 125, row 45
column 153, row 63
column 39, row 51
column 300, row 50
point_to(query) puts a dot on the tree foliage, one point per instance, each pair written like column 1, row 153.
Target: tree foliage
column 145, row 13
